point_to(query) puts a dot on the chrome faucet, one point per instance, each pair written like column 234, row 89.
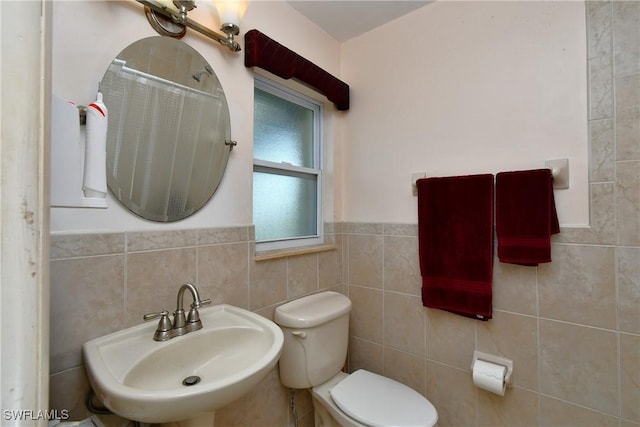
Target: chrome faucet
column 182, row 324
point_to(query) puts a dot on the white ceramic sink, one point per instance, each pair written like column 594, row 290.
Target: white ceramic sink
column 141, row 379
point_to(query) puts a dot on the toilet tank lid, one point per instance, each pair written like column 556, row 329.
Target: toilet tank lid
column 312, row 310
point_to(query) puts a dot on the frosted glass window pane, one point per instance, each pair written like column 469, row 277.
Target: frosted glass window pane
column 294, row 214
column 283, row 131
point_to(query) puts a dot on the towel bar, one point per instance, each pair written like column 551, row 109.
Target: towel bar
column 560, row 171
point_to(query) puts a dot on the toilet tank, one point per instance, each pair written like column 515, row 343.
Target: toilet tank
column 316, row 337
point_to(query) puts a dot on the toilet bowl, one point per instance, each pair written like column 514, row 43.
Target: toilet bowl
column 367, row 399
column 315, row 348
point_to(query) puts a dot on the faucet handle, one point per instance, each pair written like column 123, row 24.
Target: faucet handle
column 163, row 331
column 200, row 303
column 164, row 324
column 194, row 316
column 193, row 319
column 151, row 316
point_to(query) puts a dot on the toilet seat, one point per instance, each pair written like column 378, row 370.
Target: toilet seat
column 375, row 400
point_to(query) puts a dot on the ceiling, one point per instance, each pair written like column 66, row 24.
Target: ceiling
column 346, row 19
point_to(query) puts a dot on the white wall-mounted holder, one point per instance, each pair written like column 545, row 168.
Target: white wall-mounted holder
column 507, row 363
column 560, row 171
column 415, row 177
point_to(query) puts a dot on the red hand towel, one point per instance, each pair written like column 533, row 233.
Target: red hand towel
column 455, row 237
column 525, row 216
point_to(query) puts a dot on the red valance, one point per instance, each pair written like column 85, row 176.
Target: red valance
column 266, row 53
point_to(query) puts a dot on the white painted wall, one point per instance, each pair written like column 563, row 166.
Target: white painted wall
column 453, row 88
column 88, row 35
column 460, row 88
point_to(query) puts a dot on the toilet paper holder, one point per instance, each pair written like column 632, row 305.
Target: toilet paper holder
column 507, row 363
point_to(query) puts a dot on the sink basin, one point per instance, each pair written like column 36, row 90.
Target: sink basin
column 160, row 382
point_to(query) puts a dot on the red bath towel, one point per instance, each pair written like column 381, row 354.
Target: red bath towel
column 455, row 237
column 525, row 216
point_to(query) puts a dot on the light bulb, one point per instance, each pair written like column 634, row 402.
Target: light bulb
column 231, row 11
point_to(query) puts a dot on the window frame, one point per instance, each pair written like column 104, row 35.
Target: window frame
column 287, row 169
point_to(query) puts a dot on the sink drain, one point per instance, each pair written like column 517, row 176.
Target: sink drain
column 192, row 380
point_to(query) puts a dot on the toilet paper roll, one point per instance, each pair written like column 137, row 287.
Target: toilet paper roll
column 489, row 376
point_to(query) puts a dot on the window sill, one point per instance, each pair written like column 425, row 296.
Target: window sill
column 282, row 253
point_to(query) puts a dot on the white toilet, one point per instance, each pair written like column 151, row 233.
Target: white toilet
column 316, row 336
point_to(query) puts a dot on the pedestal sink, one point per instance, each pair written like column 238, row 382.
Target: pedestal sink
column 186, row 378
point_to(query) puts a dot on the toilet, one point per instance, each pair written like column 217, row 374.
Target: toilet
column 316, row 337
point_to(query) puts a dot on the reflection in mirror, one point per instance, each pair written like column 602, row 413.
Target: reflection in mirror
column 169, row 130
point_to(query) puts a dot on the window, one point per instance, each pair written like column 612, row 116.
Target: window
column 287, row 175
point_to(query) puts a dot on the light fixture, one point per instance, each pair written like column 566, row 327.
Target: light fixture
column 169, row 18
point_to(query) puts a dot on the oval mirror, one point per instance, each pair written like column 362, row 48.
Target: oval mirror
column 168, row 137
